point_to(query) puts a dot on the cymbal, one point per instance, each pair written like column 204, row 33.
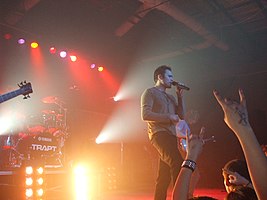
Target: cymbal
column 50, row 99
column 48, row 112
column 59, row 116
column 36, row 129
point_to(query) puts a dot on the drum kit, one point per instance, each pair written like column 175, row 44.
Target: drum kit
column 43, row 138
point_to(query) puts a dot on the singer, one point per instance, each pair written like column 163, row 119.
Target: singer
column 162, row 111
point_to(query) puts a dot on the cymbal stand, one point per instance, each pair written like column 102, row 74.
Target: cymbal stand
column 63, row 111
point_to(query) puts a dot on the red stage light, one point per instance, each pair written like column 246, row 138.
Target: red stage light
column 7, row 36
column 52, row 50
column 34, row 45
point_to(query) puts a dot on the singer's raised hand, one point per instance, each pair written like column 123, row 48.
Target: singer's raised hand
column 179, row 91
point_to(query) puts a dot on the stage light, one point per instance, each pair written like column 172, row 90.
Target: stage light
column 5, row 124
column 21, row 41
column 40, row 192
column 29, row 181
column 101, row 138
column 73, row 58
column 7, row 36
column 34, row 182
column 92, row 66
column 29, row 192
column 34, row 45
column 29, row 170
column 116, row 98
column 100, row 69
column 52, row 50
column 40, row 181
column 63, row 54
column 40, row 170
column 81, row 181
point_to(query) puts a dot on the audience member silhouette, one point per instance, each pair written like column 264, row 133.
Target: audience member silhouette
column 235, row 174
column 236, row 118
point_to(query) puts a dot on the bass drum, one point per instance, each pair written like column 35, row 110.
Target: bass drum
column 43, row 145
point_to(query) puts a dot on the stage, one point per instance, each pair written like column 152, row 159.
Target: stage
column 58, row 187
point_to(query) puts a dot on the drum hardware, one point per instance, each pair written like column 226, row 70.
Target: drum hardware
column 43, row 137
column 10, row 157
column 50, row 99
column 60, row 120
column 49, row 112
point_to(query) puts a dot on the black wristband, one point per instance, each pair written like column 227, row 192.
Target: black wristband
column 190, row 164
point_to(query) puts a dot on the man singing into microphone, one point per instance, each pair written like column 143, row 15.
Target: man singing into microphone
column 161, row 111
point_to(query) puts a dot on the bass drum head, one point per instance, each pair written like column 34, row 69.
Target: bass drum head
column 39, row 146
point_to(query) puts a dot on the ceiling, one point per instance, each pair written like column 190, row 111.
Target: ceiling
column 149, row 29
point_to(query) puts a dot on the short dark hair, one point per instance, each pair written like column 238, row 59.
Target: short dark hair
column 239, row 166
column 160, row 71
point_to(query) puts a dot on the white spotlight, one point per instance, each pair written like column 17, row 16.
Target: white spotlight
column 116, row 98
column 101, row 138
column 63, row 54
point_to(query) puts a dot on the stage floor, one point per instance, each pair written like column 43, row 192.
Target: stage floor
column 57, row 188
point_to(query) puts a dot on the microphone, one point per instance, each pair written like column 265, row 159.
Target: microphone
column 180, row 85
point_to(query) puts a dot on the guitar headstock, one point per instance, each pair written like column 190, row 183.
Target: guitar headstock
column 25, row 89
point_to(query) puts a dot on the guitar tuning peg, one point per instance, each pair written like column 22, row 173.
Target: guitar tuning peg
column 28, row 96
column 24, row 82
column 25, row 97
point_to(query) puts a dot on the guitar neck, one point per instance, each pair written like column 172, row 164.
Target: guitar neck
column 9, row 95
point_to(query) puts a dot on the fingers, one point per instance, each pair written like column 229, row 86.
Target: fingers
column 187, row 134
column 226, row 101
column 202, row 131
column 187, row 139
column 242, row 97
column 218, row 97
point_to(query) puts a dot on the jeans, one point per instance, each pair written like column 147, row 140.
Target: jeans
column 170, row 162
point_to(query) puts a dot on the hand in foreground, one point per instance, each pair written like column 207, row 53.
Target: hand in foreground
column 194, row 144
column 235, row 114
